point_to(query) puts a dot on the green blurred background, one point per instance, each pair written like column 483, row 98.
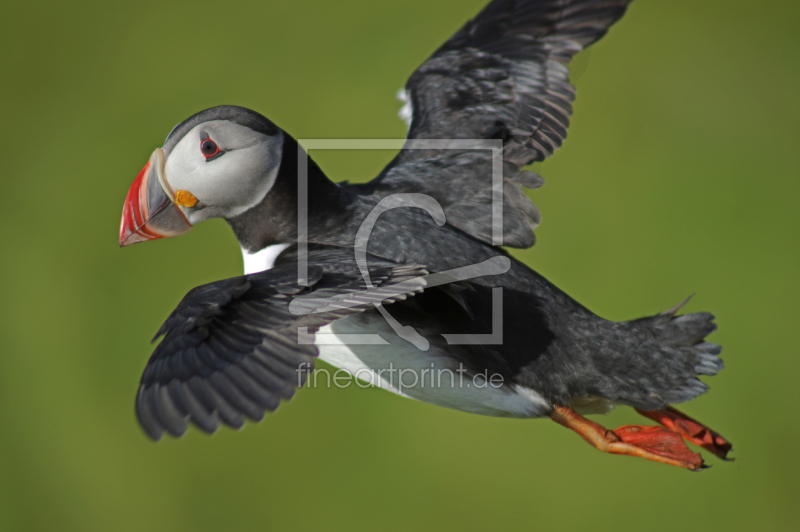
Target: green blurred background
column 679, row 176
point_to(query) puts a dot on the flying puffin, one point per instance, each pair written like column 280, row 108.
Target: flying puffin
column 402, row 281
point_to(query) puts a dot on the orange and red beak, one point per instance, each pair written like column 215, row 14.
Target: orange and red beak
column 150, row 211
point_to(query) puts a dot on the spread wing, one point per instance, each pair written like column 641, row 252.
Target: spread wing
column 230, row 349
column 502, row 76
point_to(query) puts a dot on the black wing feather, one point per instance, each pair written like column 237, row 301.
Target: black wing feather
column 501, row 76
column 230, row 350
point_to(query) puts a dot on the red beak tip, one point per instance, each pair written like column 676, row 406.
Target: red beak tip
column 148, row 212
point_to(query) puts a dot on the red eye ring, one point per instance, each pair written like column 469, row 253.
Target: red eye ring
column 209, row 148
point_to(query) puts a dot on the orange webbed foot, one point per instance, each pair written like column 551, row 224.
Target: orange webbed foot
column 658, row 444
column 692, row 430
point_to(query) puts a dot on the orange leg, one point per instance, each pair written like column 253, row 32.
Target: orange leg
column 653, row 443
column 692, row 430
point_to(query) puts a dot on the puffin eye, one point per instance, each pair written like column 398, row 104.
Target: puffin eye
column 209, row 149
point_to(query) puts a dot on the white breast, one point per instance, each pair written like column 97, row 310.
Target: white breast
column 430, row 376
column 406, row 112
column 262, row 260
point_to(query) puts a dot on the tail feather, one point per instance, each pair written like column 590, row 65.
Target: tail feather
column 682, row 339
column 688, row 329
column 669, row 355
column 708, row 363
column 687, row 333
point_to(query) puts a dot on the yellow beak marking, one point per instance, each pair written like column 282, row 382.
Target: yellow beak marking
column 184, row 198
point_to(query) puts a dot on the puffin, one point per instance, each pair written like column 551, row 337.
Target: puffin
column 404, row 282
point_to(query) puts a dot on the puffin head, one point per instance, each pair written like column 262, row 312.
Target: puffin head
column 218, row 163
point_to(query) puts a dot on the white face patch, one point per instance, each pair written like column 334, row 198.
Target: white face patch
column 231, row 183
